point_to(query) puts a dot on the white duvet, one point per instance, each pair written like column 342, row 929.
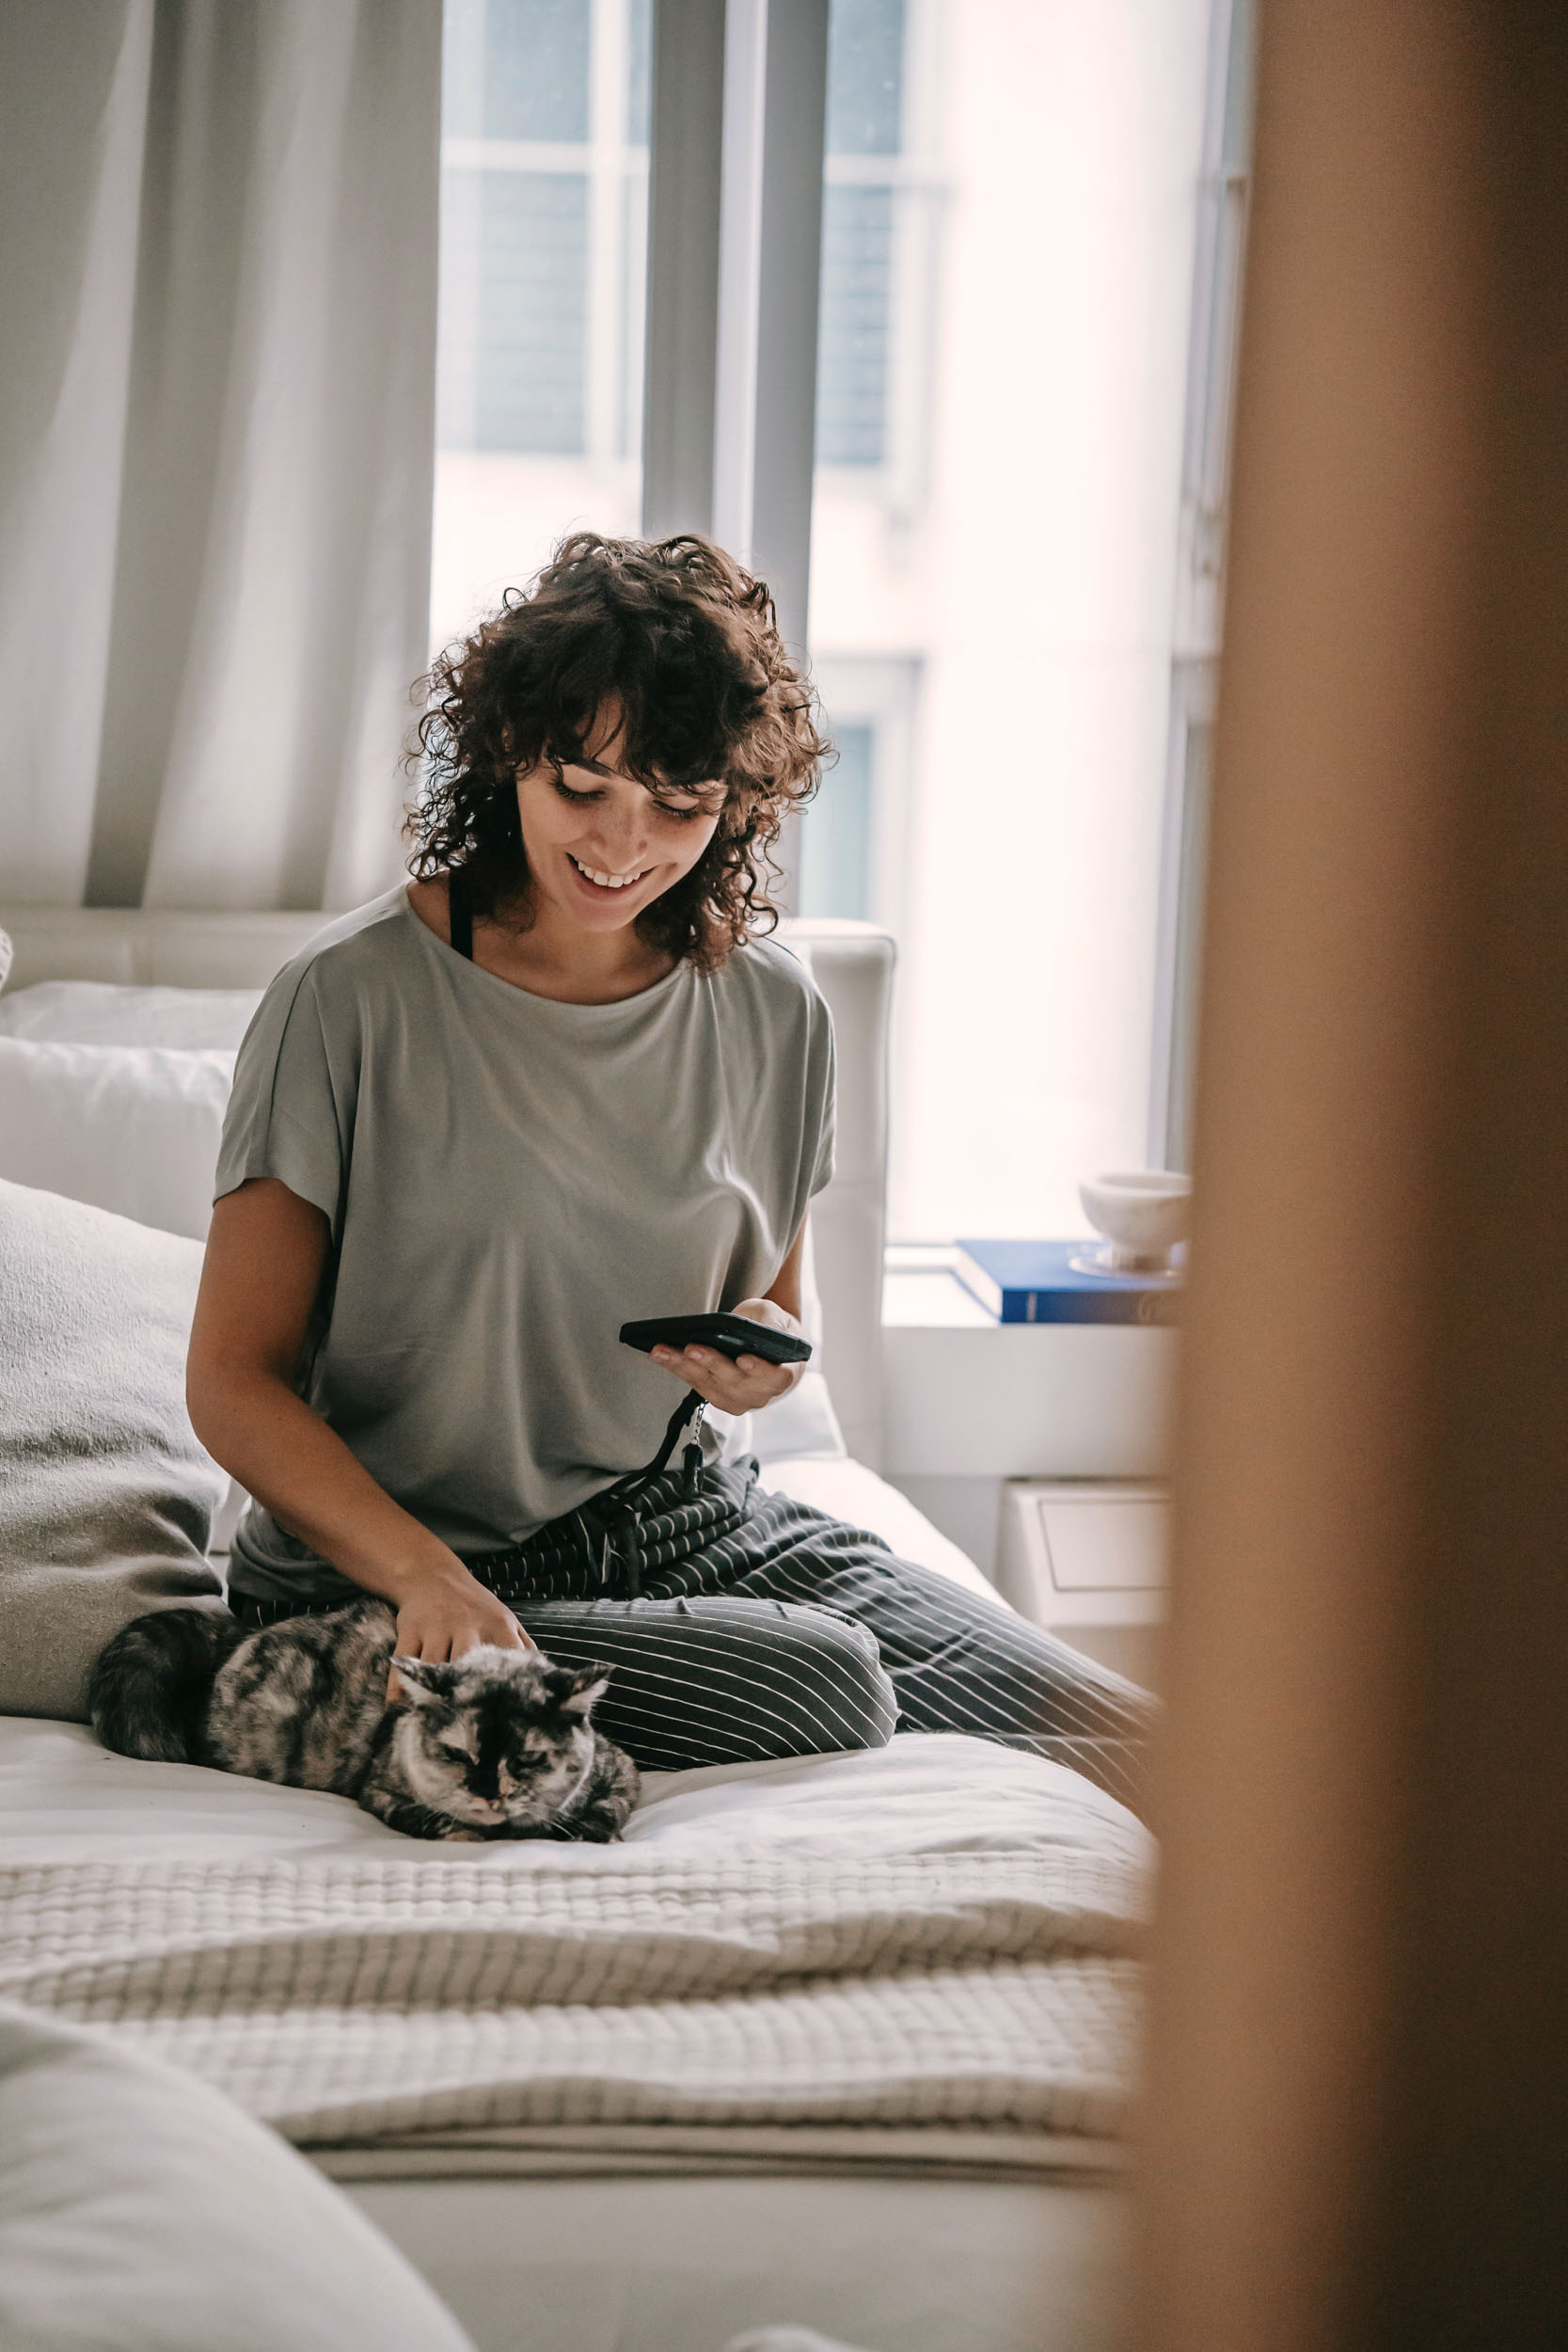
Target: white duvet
column 939, row 1935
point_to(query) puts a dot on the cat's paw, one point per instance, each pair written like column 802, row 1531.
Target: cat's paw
column 601, row 1824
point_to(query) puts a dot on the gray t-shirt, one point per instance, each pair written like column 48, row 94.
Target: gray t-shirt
column 509, row 1180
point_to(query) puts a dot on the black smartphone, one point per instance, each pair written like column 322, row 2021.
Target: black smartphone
column 732, row 1335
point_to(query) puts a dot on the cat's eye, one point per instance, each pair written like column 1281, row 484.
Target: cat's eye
column 456, row 1755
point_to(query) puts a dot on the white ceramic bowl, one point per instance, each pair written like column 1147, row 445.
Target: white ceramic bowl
column 1142, row 1213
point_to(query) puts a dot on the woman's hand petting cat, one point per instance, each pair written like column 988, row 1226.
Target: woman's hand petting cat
column 446, row 1612
column 749, row 1382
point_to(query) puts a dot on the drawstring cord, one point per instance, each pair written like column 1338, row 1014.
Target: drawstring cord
column 622, row 1500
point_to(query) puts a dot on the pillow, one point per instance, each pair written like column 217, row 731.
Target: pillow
column 142, row 2212
column 131, row 1128
column 94, row 1012
column 106, row 1498
column 802, row 1425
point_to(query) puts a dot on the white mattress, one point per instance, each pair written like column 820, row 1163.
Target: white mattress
column 685, row 2265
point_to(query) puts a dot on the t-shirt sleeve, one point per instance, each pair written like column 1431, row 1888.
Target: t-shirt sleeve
column 821, row 1097
column 291, row 1112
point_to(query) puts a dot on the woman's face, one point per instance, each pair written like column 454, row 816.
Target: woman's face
column 600, row 849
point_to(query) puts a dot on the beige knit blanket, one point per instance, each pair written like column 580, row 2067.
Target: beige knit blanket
column 360, row 1998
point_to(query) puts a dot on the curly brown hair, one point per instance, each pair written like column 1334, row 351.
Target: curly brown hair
column 684, row 643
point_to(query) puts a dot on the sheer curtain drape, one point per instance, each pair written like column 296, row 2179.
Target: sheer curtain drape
column 218, row 282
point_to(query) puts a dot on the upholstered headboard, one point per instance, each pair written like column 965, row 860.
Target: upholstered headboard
column 852, row 963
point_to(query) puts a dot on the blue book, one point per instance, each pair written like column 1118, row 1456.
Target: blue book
column 1061, row 1281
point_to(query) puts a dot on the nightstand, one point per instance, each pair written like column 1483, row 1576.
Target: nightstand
column 1086, row 1560
column 971, row 1403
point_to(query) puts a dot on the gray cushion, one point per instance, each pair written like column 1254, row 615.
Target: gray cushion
column 140, row 2212
column 105, row 1496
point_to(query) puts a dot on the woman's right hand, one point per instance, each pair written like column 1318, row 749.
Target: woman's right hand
column 446, row 1612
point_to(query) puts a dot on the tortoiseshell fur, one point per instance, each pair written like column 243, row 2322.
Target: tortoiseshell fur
column 498, row 1743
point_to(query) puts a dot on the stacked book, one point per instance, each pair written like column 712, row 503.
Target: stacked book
column 1062, row 1281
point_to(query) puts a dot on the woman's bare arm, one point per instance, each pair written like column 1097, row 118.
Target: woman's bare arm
column 266, row 1252
column 785, row 1292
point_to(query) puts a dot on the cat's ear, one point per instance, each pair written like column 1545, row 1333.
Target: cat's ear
column 422, row 1680
column 577, row 1689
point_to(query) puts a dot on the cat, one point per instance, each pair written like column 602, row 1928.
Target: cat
column 498, row 1744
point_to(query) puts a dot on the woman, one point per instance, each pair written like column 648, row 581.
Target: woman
column 557, row 1083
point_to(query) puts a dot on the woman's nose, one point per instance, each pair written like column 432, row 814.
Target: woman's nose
column 622, row 846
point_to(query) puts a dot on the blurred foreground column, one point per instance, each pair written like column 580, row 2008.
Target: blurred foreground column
column 1358, row 2122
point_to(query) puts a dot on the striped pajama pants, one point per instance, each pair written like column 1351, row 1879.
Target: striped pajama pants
column 743, row 1626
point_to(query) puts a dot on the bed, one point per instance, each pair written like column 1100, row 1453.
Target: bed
column 843, row 2042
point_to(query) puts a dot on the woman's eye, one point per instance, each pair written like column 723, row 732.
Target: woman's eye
column 567, row 794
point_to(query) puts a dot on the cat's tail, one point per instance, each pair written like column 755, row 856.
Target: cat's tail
column 149, row 1689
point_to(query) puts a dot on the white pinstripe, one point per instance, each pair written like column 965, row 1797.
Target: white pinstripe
column 731, row 1649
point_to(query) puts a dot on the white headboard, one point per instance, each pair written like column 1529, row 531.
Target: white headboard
column 852, row 965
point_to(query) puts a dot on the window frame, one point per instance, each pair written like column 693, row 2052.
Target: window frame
column 1218, row 277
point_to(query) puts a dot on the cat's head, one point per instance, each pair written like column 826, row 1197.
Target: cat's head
column 499, row 1735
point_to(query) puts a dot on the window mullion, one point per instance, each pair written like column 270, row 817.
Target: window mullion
column 732, row 285
column 605, row 213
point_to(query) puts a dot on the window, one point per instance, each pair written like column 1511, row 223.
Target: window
column 1009, row 198
column 854, row 843
column 543, row 236
column 865, row 129
column 1001, row 503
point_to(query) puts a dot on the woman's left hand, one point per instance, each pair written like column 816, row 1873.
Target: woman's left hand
column 746, row 1383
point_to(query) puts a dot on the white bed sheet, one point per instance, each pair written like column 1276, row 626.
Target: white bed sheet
column 64, row 1799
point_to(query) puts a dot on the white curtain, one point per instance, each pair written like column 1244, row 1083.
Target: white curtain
column 217, row 279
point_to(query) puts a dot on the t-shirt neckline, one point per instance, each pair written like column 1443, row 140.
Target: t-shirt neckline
column 564, row 1005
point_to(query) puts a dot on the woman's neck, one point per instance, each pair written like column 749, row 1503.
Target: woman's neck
column 546, row 956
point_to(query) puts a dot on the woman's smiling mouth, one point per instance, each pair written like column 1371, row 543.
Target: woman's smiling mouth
column 608, row 882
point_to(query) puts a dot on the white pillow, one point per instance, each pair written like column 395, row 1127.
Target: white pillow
column 93, row 1012
column 802, row 1425
column 106, row 1498
column 140, row 2211
column 131, row 1128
